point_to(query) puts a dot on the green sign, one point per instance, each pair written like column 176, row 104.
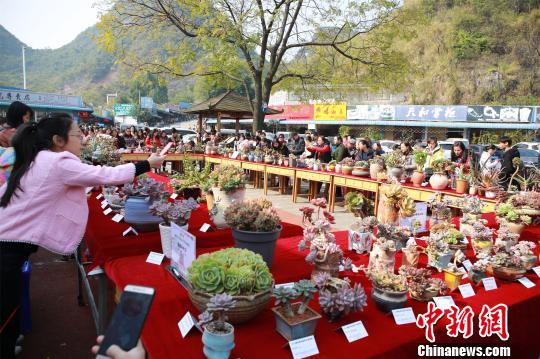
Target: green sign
column 123, row 109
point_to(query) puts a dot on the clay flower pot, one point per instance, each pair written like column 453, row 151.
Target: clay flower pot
column 387, row 300
column 453, row 280
column 508, row 273
column 417, row 178
column 381, row 260
column 438, row 181
column 461, row 186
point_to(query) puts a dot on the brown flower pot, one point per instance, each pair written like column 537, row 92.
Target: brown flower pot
column 508, row 273
column 373, row 170
column 330, row 265
column 461, row 186
column 417, row 178
column 387, row 214
column 424, row 297
column 410, row 257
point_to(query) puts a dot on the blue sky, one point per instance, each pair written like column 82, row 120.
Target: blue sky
column 47, row 23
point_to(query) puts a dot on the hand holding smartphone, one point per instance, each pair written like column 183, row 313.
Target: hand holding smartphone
column 166, row 149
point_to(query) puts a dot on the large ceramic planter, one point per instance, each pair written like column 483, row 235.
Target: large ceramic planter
column 360, row 242
column 360, row 172
column 222, row 200
column 346, row 170
column 329, row 265
column 462, row 186
column 438, row 181
column 138, row 216
column 263, row 243
column 298, row 326
column 395, row 172
column 374, row 168
column 387, row 300
column 440, row 262
column 508, row 273
column 381, row 260
column 417, row 178
column 246, row 308
column 218, row 345
column 166, row 238
column 453, row 280
column 338, row 168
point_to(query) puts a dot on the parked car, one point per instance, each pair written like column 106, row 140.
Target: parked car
column 529, row 157
column 387, row 145
column 528, row 145
column 479, row 148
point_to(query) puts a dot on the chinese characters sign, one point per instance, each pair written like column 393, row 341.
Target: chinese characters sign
column 123, row 109
column 292, row 112
column 332, row 112
column 431, row 113
column 7, row 96
column 499, row 114
column 371, row 112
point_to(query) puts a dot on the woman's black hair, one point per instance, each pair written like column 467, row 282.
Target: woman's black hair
column 15, row 113
column 29, row 139
column 490, row 147
column 464, row 152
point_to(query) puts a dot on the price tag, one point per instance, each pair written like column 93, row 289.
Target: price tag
column 205, row 227
column 489, row 283
column 104, row 202
column 88, row 190
column 537, row 270
column 303, row 347
column 354, row 268
column 185, row 324
column 526, row 282
column 104, row 205
column 404, row 316
column 107, row 211
column 355, row 331
column 117, row 218
column 99, row 196
column 462, row 270
column 285, row 285
column 467, row 264
column 174, row 195
column 183, row 251
column 341, row 268
column 444, row 302
column 466, row 290
column 130, row 230
column 465, row 240
column 155, row 258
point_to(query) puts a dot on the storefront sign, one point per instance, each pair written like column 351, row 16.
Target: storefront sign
column 292, row 112
column 7, row 96
column 147, row 102
column 431, row 113
column 123, row 109
column 331, row 112
column 370, row 112
column 500, row 114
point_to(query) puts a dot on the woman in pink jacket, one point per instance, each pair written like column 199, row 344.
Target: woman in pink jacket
column 44, row 204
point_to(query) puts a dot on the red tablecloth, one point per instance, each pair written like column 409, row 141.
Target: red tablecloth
column 163, row 340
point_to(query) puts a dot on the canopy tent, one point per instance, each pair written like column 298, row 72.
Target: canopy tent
column 225, row 106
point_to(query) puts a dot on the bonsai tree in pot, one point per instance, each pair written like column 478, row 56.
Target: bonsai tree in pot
column 439, row 179
column 140, row 196
column 218, row 335
column 337, row 297
column 439, row 254
column 295, row 320
column 358, row 204
column 481, row 237
column 177, row 212
column 395, row 203
column 389, row 290
column 508, row 216
column 418, row 176
column 421, row 285
column 228, row 186
column 361, row 234
column 255, row 226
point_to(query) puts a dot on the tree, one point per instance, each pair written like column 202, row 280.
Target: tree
column 242, row 41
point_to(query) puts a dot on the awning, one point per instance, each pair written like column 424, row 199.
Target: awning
column 463, row 124
column 52, row 107
column 212, row 121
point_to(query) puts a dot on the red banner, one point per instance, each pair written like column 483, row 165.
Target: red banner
column 292, row 112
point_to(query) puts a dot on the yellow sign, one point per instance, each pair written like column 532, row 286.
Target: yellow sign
column 332, row 112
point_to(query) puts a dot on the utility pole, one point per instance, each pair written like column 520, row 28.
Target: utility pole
column 24, row 68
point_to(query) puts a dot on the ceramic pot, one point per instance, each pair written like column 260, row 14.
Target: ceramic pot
column 346, row 170
column 424, row 297
column 218, row 345
column 329, row 265
column 481, row 246
column 381, row 260
column 291, row 329
column 453, row 280
column 263, row 243
column 138, row 216
column 410, row 256
column 508, row 273
column 387, row 214
column 473, row 190
column 418, row 178
column 374, row 168
column 438, row 181
column 338, row 168
column 387, row 300
column 360, row 242
column 529, row 261
column 222, row 200
column 166, row 238
column 395, row 172
column 461, row 186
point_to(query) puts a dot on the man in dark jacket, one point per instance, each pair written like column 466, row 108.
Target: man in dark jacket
column 340, row 151
column 351, row 148
column 507, row 167
column 296, row 144
column 364, row 150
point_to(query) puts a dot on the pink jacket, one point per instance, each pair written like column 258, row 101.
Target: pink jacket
column 51, row 210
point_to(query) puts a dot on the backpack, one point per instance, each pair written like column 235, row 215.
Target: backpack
column 7, row 159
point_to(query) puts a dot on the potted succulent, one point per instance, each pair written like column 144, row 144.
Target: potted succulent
column 489, row 182
column 439, row 179
column 526, row 203
column 115, row 198
column 295, row 320
column 439, row 254
column 358, row 204
column 394, row 163
column 361, row 235
column 140, row 196
column 509, row 217
column 523, row 250
column 255, row 226
column 337, row 297
column 177, row 212
column 389, row 290
column 218, row 335
column 193, row 181
column 383, row 255
column 506, row 238
column 410, row 254
column 228, row 186
column 440, row 209
column 462, row 181
column 507, row 266
column 395, row 203
column 418, row 176
column 455, row 240
column 234, row 271
column 400, row 235
column 471, row 207
column 376, row 166
column 332, row 166
column 361, row 169
column 324, row 253
column 421, row 285
column 479, row 269
column 101, row 150
column 347, row 166
column 452, row 276
column 481, row 237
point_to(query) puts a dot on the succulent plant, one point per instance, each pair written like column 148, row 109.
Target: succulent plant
column 177, row 212
column 284, row 295
column 441, row 165
column 192, row 177
column 306, row 289
column 255, row 215
column 214, row 317
column 228, row 178
column 419, row 281
column 529, row 199
column 387, row 280
column 347, row 161
column 394, row 159
column 420, row 158
column 337, row 297
column 101, row 149
column 440, row 206
column 453, row 236
column 148, row 188
column 358, row 204
column 397, row 197
column 508, row 212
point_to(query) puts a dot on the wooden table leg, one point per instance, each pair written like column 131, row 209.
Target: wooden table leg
column 265, row 185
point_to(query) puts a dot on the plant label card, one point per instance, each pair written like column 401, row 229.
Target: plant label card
column 235, row 155
column 466, row 290
column 174, row 195
column 462, row 270
column 304, row 347
column 117, row 218
column 185, row 324
column 467, row 264
column 355, row 331
column 444, row 302
column 88, row 190
column 107, row 211
column 526, row 282
column 205, row 227
column 155, row 258
column 99, row 196
column 183, row 249
column 104, row 204
column 489, row 283
column 465, row 240
column 404, row 316
column 130, row 230
column 285, row 285
column 420, row 215
column 537, row 270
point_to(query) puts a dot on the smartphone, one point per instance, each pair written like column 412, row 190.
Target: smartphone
column 166, row 149
column 128, row 319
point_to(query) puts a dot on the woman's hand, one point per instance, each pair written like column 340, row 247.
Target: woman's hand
column 115, row 352
column 156, row 160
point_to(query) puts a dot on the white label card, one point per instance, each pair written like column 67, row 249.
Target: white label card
column 404, row 316
column 467, row 264
column 355, row 331
column 185, row 324
column 235, row 154
column 88, row 190
column 465, row 240
column 104, row 202
column 107, row 211
column 303, row 347
column 183, row 249
column 104, row 205
column 444, row 302
column 155, row 258
column 526, row 282
column 466, row 290
column 462, row 270
column 174, row 195
column 117, row 218
column 129, row 230
column 489, row 283
column 99, row 196
column 537, row 270
column 420, row 215
column 285, row 285
column 205, row 227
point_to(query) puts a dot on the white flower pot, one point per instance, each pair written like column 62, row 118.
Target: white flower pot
column 166, row 238
column 360, row 242
column 222, row 200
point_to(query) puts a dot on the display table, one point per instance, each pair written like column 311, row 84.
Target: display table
column 162, row 338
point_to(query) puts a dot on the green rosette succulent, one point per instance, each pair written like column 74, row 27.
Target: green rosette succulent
column 263, row 280
column 210, row 279
column 232, row 282
column 246, row 278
